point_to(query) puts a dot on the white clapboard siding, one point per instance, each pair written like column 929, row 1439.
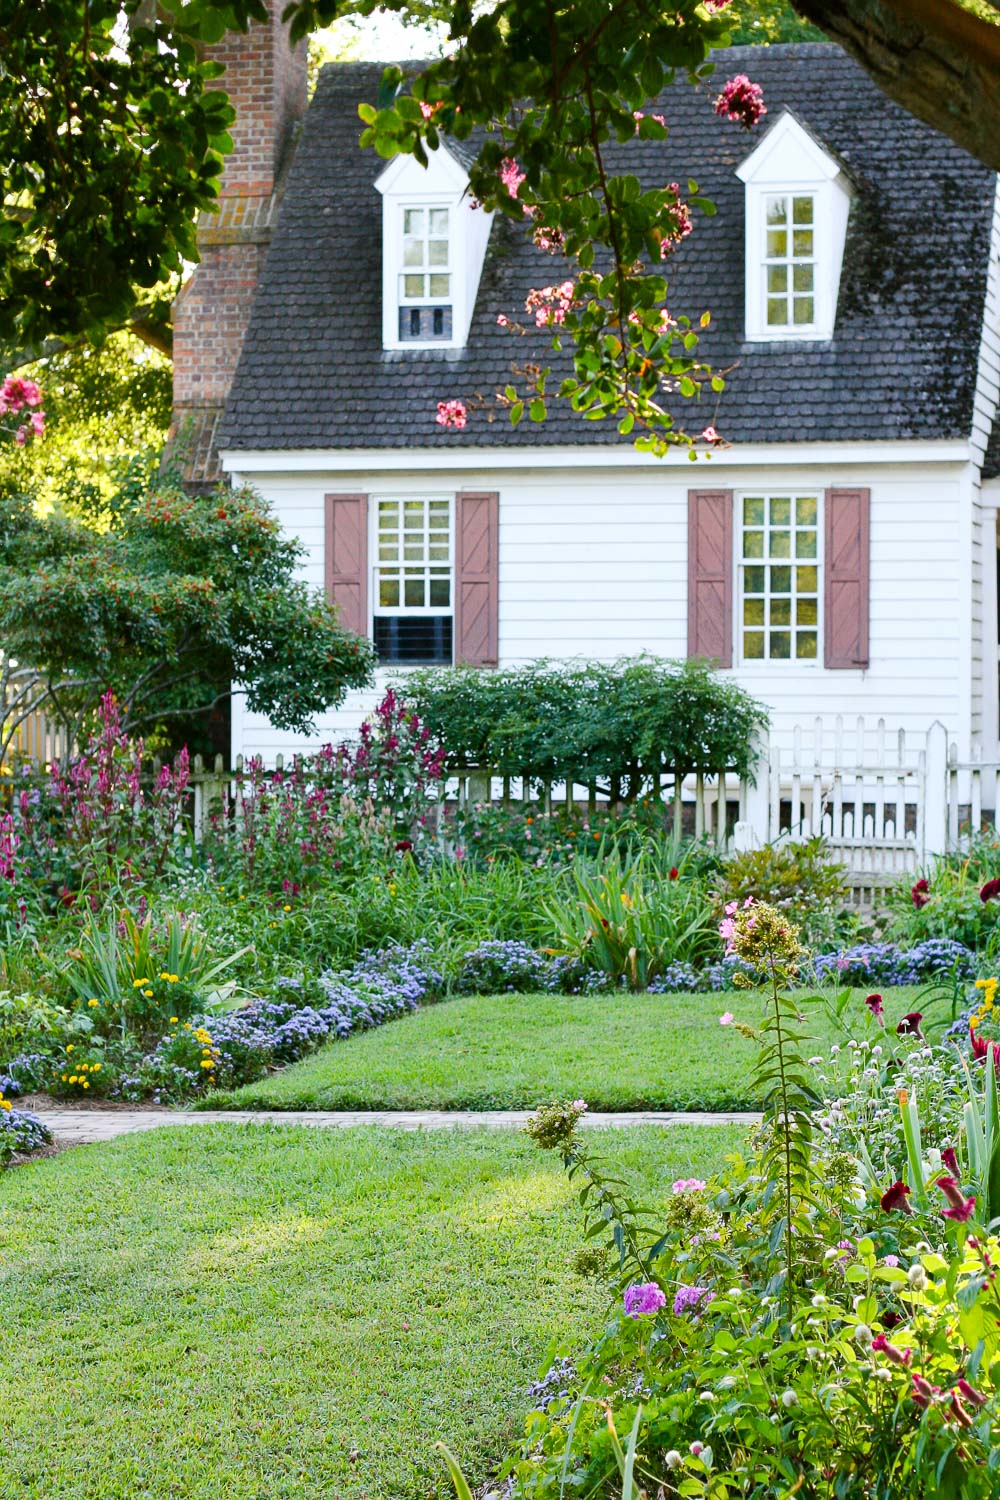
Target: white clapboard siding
column 593, row 564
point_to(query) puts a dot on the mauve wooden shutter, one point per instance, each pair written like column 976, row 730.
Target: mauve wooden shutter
column 347, row 559
column 477, row 579
column 845, row 624
column 710, row 575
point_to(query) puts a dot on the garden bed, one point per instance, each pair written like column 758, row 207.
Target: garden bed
column 619, row 1052
column 235, row 1313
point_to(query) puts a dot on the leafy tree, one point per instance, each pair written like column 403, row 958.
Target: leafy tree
column 103, row 406
column 177, row 599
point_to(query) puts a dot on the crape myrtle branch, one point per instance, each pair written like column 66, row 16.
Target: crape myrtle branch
column 588, row 68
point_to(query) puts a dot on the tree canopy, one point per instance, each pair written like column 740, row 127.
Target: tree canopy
column 175, row 600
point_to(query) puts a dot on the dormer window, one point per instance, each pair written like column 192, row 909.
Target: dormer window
column 425, row 312
column 433, row 245
column 798, row 197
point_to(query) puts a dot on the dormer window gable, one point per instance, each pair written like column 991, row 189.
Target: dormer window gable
column 798, row 199
column 433, row 245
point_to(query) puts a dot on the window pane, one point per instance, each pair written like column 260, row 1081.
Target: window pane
column 437, row 253
column 413, row 591
column 777, row 244
column 439, row 221
column 413, row 286
column 413, row 552
column 781, row 612
column 805, row 544
column 805, row 580
column 414, row 512
column 388, row 593
column 781, row 580
column 413, row 221
column 806, row 612
column 753, row 645
column 802, row 242
column 805, row 645
column 440, row 285
column 438, row 552
column 440, row 592
column 388, row 552
column 777, row 279
column 781, row 544
column 805, row 510
column 776, row 210
column 753, row 611
column 781, row 511
column 753, row 512
column 753, row 580
column 413, row 252
column 802, row 210
column 777, row 312
column 803, row 310
column 802, row 276
column 781, row 645
column 753, row 544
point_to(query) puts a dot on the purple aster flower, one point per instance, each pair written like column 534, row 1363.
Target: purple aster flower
column 643, row 1300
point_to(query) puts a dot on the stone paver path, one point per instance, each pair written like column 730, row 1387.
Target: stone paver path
column 78, row 1127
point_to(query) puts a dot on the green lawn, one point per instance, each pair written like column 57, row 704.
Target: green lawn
column 248, row 1313
column 618, row 1052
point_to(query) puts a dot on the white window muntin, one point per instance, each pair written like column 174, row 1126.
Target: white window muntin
column 779, row 577
column 413, row 555
column 788, row 261
column 425, row 274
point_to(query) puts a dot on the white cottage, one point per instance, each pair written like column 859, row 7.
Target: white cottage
column 839, row 557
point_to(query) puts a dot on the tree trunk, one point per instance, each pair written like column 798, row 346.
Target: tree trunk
column 939, row 61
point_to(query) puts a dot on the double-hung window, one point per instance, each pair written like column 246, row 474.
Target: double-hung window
column 413, row 608
column 790, row 261
column 778, row 577
column 425, row 291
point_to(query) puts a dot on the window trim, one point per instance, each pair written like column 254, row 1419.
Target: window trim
column 763, row 664
column 407, row 611
column 793, row 329
column 448, row 269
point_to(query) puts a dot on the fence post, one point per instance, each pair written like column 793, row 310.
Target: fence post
column 754, row 831
column 935, row 792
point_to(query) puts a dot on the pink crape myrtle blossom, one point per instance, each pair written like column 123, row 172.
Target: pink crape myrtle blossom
column 727, row 1018
column 675, row 220
column 741, row 101
column 688, row 1185
column 550, row 304
column 714, row 6
column 510, row 176
column 429, row 110
column 712, row 437
column 22, row 397
column 451, row 414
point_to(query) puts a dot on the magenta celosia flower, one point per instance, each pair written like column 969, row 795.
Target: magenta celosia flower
column 923, row 1392
column 970, row 1393
column 990, row 889
column 950, row 1160
column 451, row 414
column 741, row 101
column 874, row 1004
column 920, row 893
column 892, row 1352
column 688, row 1298
column 643, row 1300
column 895, row 1197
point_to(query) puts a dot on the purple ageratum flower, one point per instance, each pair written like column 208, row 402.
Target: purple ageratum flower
column 687, row 1299
column 644, row 1300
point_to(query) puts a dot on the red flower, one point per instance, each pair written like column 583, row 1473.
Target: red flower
column 674, row 872
column 958, row 1411
column 920, row 893
column 910, row 1024
column 923, row 1392
column 980, row 1045
column 990, row 889
column 404, row 846
column 976, row 1397
column 962, row 1212
column 950, row 1160
column 896, row 1198
column 874, row 1004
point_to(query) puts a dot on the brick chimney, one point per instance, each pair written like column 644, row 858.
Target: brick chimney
column 265, row 79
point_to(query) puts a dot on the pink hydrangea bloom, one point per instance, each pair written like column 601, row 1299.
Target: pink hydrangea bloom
column 741, row 101
column 451, row 414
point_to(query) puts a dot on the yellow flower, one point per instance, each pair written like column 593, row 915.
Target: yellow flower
column 84, row 1084
column 174, row 978
column 173, row 1020
column 137, row 984
column 62, row 1078
column 286, row 908
column 208, row 1064
column 164, row 975
column 92, row 1003
column 187, row 1025
column 69, row 1047
column 148, row 994
column 96, row 1068
column 73, row 1078
column 6, row 1104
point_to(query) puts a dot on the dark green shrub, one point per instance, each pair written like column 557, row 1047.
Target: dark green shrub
column 618, row 723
